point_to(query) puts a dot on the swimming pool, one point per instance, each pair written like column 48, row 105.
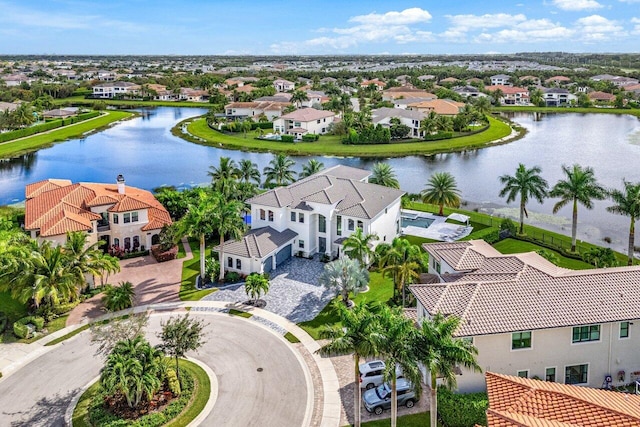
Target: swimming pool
column 416, row 222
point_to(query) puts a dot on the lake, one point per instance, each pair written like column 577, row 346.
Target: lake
column 148, row 155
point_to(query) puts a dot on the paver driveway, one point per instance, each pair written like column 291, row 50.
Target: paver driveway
column 294, row 292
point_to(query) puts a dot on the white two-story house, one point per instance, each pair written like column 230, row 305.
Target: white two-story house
column 124, row 217
column 303, row 121
column 530, row 318
column 411, row 118
column 115, row 89
column 313, row 216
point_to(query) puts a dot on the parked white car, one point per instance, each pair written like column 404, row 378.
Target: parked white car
column 372, row 374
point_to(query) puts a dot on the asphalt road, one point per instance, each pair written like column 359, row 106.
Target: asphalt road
column 39, row 393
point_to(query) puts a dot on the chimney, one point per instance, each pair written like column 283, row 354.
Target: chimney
column 120, row 182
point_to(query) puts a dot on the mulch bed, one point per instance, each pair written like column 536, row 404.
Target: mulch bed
column 118, row 406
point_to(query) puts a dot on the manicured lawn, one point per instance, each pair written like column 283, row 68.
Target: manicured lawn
column 80, row 100
column 67, row 336
column 331, row 145
column 513, row 246
column 414, row 420
column 14, row 148
column 380, row 290
column 190, row 270
column 240, row 313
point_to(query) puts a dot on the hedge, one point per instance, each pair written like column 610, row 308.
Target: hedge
column 490, row 235
column 462, row 410
column 20, row 328
column 287, row 138
column 162, row 256
column 438, row 136
column 311, row 137
column 54, row 124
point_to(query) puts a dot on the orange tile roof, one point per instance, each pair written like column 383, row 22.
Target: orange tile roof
column 439, row 106
column 56, row 206
column 515, row 401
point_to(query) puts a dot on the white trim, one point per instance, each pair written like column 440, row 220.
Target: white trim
column 576, row 364
column 555, row 373
column 522, row 348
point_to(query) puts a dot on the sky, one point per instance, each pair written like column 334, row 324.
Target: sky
column 311, row 27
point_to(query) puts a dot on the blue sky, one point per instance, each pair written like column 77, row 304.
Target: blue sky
column 269, row 27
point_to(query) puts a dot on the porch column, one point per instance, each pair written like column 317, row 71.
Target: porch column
column 329, row 235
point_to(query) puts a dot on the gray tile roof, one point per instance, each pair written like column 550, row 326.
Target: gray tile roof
column 384, row 112
column 258, row 242
column 353, row 197
column 507, row 293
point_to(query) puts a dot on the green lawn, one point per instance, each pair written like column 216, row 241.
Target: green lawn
column 414, row 420
column 513, row 246
column 80, row 100
column 190, row 270
column 380, row 290
column 76, row 130
column 331, row 145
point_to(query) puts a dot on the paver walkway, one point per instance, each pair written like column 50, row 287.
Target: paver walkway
column 154, row 282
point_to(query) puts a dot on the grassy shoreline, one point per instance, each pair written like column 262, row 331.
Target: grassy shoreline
column 329, row 145
column 81, row 100
column 46, row 139
column 565, row 110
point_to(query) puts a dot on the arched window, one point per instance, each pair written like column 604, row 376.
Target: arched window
column 155, row 239
column 350, row 225
column 360, row 225
column 136, row 242
column 127, row 242
column 116, row 242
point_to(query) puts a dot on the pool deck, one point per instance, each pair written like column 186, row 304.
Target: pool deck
column 438, row 230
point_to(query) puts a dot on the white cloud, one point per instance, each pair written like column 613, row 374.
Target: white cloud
column 413, row 15
column 630, row 1
column 596, row 28
column 468, row 22
column 636, row 27
column 573, row 5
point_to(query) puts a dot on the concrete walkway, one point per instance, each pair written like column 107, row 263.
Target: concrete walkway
column 154, row 282
column 14, row 358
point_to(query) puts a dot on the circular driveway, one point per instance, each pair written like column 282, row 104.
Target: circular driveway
column 279, row 395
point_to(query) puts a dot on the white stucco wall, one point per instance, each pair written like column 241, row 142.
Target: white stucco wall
column 384, row 225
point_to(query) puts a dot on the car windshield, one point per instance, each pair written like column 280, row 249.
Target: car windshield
column 382, row 391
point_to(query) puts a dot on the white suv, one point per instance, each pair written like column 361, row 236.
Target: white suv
column 372, row 374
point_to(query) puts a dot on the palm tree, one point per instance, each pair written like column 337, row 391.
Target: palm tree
column 198, row 222
column 119, row 297
column 483, row 105
column 353, row 334
column 405, row 273
column 527, row 183
column 298, row 97
column 383, row 174
column 444, row 123
column 84, row 259
column 441, row 190
column 580, row 186
column 344, row 275
column 428, row 125
column 223, row 177
column 248, row 171
column 397, row 349
column 226, row 218
column 256, row 285
column 403, row 261
column 280, row 170
column 358, row 246
column 440, row 352
column 312, row 167
column 627, row 203
column 246, row 127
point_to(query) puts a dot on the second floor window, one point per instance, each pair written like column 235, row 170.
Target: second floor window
column 339, row 225
column 521, row 340
column 116, row 219
column 301, row 218
column 134, row 216
column 624, row 329
column 230, row 262
column 351, row 225
column 293, row 217
column 322, row 224
column 270, row 216
column 586, row 333
column 126, row 218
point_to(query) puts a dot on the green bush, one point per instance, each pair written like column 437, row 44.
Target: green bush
column 4, row 320
column 462, row 410
column 172, row 380
column 20, row 330
column 287, row 138
column 32, row 130
column 65, row 308
column 310, row 137
column 490, row 235
column 509, row 225
column 265, row 125
column 438, row 136
column 232, row 277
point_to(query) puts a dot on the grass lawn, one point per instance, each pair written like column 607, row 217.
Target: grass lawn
column 414, row 420
column 239, row 313
column 380, row 290
column 35, row 142
column 80, row 100
column 513, row 246
column 331, row 145
column 190, row 270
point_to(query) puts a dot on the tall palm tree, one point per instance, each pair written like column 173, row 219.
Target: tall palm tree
column 483, row 105
column 358, row 246
column 441, row 190
column 444, row 123
column 198, row 222
column 527, row 183
column 84, row 259
column 279, row 170
column 579, row 186
column 627, row 203
column 312, row 167
column 298, row 97
column 405, row 272
column 248, row 171
column 403, row 261
column 344, row 275
column 354, row 334
column 383, row 174
column 227, row 220
column 440, row 352
column 224, row 177
column 428, row 125
column 397, row 349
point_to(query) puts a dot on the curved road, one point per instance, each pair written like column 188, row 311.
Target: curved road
column 39, row 393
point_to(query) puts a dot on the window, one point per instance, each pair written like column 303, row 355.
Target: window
column 318, row 121
column 577, row 374
column 270, row 216
column 262, row 214
column 436, row 266
column 115, row 218
column 339, row 225
column 301, row 244
column 624, row 329
column 351, row 225
column 126, row 218
column 301, row 218
column 116, row 242
column 520, row 340
column 322, row 224
column 293, row 217
column 361, row 225
column 467, row 340
column 136, row 242
column 523, row 374
column 127, row 242
column 238, row 264
column 134, row 216
column 229, row 262
column 586, row 333
column 550, row 375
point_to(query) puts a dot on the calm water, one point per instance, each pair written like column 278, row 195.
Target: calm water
column 146, row 153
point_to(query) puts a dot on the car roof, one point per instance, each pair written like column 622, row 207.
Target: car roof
column 403, row 383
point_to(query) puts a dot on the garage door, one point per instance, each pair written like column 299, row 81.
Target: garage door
column 267, row 265
column 283, row 255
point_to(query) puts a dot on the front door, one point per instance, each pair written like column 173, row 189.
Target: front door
column 322, row 245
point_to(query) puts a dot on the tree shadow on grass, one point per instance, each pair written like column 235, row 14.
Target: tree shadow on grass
column 47, row 411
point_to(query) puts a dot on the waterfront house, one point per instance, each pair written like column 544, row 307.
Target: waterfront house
column 252, row 110
column 60, row 113
column 442, row 107
column 557, row 97
column 410, row 118
column 313, row 216
column 530, row 318
column 601, row 97
column 115, row 89
column 511, row 95
column 304, row 121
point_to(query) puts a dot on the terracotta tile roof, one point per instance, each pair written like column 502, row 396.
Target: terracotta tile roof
column 57, row 206
column 445, row 107
column 495, row 293
column 601, row 96
column 515, row 401
column 307, row 115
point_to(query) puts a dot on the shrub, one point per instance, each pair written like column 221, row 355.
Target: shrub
column 211, row 269
column 438, row 136
column 490, row 235
column 20, row 330
column 172, row 381
column 462, row 410
column 162, row 256
column 287, row 138
column 232, row 277
column 311, row 137
column 119, row 297
column 65, row 308
column 509, row 225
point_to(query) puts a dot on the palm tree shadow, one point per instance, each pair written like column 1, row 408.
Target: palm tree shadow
column 47, row 411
